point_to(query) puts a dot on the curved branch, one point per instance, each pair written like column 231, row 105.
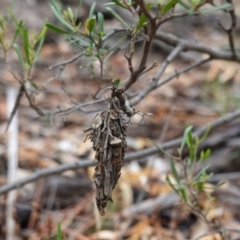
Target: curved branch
column 171, row 39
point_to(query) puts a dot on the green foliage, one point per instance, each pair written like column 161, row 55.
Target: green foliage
column 170, row 5
column 117, row 17
column 184, row 179
column 26, row 45
column 59, row 231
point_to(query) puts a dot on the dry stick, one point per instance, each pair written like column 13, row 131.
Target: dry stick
column 142, row 94
column 64, row 63
column 16, row 105
column 129, row 157
column 172, row 40
column 113, row 32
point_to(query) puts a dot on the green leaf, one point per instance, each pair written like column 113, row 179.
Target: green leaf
column 17, row 32
column 26, row 45
column 205, row 134
column 201, row 173
column 14, row 18
column 40, row 41
column 59, row 16
column 90, row 23
column 189, row 138
column 184, row 193
column 142, row 22
column 101, row 22
column 171, row 184
column 205, row 154
column 79, row 8
column 186, row 137
column 200, row 186
column 91, row 12
column 169, row 6
column 57, row 29
column 116, row 82
column 161, row 150
column 214, row 9
column 71, row 14
column 174, row 172
column 59, row 231
column 117, row 16
column 119, row 4
column 17, row 50
column 183, row 4
column 191, row 155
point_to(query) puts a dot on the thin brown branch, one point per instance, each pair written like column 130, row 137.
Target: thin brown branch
column 129, row 157
column 146, row 48
column 16, row 105
column 155, row 84
column 143, row 8
column 176, row 15
column 171, row 39
column 231, row 29
column 64, row 63
column 39, row 111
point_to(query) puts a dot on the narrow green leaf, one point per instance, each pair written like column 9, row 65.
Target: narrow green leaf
column 214, row 9
column 201, row 173
column 167, row 7
column 17, row 50
column 17, row 32
column 161, row 150
column 171, row 184
column 92, row 9
column 174, row 172
column 200, row 186
column 13, row 17
column 39, row 47
column 189, row 138
column 26, row 45
column 142, row 22
column 59, row 231
column 205, row 154
column 117, row 16
column 71, row 14
column 205, row 134
column 119, row 4
column 184, row 193
column 183, row 4
column 40, row 41
column 91, row 24
column 57, row 29
column 59, row 16
column 191, row 155
column 185, row 137
column 79, row 8
column 101, row 22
